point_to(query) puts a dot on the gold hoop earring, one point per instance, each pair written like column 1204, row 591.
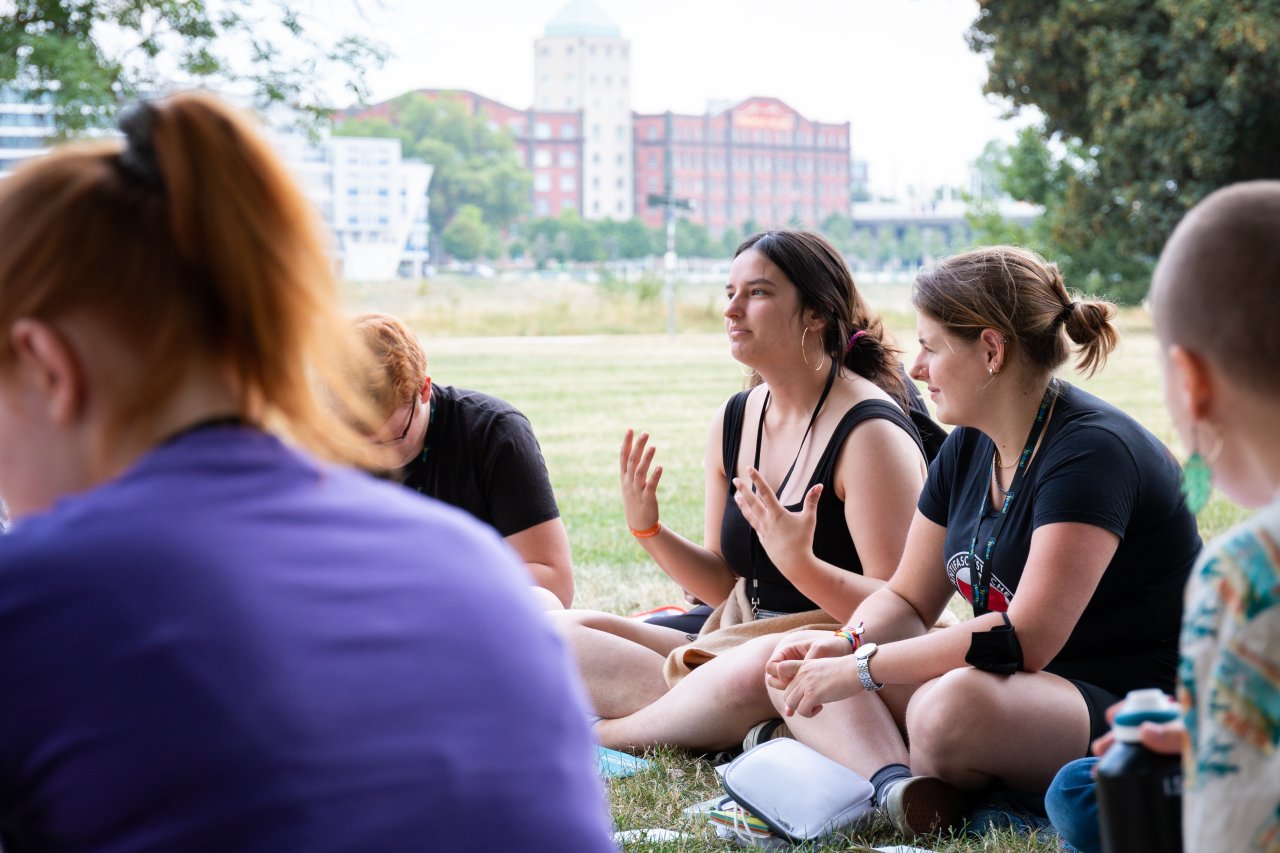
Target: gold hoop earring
column 804, row 356
column 993, row 372
column 749, row 372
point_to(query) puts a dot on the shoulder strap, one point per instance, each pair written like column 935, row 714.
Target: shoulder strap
column 734, row 411
column 864, row 411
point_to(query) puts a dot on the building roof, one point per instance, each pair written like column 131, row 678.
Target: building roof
column 582, row 18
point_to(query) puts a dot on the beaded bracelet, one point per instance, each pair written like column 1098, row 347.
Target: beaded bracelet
column 648, row 532
column 852, row 633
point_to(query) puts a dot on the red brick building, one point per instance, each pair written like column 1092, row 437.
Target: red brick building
column 759, row 160
column 548, row 144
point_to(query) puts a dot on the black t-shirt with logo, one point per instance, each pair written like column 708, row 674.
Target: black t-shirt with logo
column 1096, row 465
column 481, row 456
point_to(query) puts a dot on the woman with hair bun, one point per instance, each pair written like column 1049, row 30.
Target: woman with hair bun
column 1054, row 514
column 211, row 639
column 811, row 477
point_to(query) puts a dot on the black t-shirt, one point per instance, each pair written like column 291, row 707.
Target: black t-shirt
column 1096, row 465
column 831, row 540
column 481, row 456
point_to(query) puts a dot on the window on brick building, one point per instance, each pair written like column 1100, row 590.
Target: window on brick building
column 542, row 182
column 568, row 183
column 568, row 159
column 541, row 158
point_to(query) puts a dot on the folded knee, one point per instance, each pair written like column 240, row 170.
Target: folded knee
column 945, row 720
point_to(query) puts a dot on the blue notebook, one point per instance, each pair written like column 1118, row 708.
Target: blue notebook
column 613, row 763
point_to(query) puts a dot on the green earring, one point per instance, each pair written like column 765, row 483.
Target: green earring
column 1197, row 481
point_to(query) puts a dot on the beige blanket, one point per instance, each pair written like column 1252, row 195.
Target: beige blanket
column 732, row 624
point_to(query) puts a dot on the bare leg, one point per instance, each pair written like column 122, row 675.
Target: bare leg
column 859, row 732
column 710, row 709
column 970, row 728
column 620, row 659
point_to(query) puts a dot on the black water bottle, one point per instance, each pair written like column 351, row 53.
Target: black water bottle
column 1140, row 791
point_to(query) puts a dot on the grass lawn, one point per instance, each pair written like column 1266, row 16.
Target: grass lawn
column 585, row 362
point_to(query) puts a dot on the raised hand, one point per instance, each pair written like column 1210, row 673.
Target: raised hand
column 639, row 489
column 785, row 535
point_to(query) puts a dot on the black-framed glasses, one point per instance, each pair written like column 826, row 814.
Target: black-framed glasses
column 405, row 432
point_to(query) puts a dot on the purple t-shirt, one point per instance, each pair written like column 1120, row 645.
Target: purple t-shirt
column 234, row 647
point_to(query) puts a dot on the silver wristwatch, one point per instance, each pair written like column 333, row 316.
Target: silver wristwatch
column 862, row 656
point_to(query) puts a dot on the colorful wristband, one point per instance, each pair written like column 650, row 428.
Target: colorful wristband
column 648, row 532
column 852, row 633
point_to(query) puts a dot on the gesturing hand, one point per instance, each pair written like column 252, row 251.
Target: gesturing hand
column 785, row 535
column 639, row 490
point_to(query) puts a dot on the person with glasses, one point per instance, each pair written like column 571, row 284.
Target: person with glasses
column 216, row 631
column 468, row 449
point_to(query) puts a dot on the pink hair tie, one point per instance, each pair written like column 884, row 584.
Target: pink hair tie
column 854, row 338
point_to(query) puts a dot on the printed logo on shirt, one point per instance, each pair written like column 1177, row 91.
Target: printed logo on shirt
column 998, row 596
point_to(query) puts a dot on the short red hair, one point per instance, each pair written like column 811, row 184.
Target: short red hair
column 396, row 350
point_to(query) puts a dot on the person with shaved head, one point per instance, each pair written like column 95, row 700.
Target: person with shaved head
column 1215, row 301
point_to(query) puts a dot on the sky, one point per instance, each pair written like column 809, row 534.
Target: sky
column 899, row 71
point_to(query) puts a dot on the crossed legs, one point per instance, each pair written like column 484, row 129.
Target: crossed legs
column 622, row 661
column 968, row 727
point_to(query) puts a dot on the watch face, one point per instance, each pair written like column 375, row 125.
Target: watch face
column 865, row 651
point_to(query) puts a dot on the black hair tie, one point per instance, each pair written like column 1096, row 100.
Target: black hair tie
column 138, row 159
column 1065, row 313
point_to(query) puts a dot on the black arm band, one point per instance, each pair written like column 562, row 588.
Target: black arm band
column 997, row 650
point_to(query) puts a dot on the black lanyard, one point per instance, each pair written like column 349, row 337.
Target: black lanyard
column 755, row 540
column 980, row 576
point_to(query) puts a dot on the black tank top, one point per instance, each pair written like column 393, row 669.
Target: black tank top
column 831, row 540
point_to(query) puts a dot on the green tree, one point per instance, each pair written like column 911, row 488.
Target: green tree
column 635, row 240
column 838, row 228
column 467, row 237
column 89, row 56
column 474, row 163
column 861, row 249
column 693, row 240
column 1156, row 104
column 730, row 239
column 586, row 239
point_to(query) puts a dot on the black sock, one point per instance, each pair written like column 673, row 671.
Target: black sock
column 883, row 778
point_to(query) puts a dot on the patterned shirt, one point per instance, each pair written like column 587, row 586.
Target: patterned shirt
column 1229, row 687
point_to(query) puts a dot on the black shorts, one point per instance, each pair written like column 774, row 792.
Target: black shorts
column 1097, row 700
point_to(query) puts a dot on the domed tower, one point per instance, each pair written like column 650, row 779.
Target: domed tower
column 582, row 62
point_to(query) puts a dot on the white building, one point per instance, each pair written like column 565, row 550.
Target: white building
column 374, row 202
column 583, row 63
column 25, row 129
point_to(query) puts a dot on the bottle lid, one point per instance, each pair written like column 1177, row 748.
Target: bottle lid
column 1142, row 706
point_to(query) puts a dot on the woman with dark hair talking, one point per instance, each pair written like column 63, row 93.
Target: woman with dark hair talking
column 811, row 476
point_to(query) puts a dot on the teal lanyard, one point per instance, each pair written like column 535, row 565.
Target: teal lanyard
column 980, row 576
column 426, row 445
